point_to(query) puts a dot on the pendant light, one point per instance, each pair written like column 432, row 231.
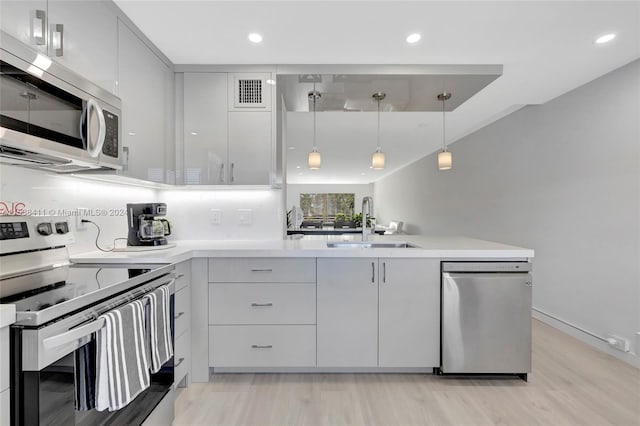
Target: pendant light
column 377, row 159
column 445, row 161
column 315, row 159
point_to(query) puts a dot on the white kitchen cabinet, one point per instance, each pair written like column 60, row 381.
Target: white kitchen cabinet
column 26, row 20
column 182, row 323
column 347, row 312
column 205, row 128
column 378, row 312
column 262, row 270
column 83, row 36
column 409, row 313
column 143, row 80
column 228, row 135
column 250, row 161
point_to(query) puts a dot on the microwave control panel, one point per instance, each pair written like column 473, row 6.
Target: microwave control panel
column 110, row 146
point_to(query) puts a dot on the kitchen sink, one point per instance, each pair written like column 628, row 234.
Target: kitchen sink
column 370, row 244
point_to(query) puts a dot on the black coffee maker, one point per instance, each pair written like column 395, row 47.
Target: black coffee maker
column 145, row 229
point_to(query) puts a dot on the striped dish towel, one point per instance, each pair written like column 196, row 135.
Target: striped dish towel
column 158, row 317
column 122, row 357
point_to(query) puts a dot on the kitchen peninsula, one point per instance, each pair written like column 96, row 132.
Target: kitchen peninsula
column 288, row 305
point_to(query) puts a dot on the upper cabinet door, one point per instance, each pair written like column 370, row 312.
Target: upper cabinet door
column 27, row 21
column 83, row 36
column 250, row 159
column 142, row 88
column 205, row 129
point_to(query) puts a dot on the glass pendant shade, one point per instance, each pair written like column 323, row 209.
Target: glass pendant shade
column 377, row 160
column 315, row 160
column 445, row 160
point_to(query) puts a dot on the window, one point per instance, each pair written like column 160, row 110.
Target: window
column 325, row 207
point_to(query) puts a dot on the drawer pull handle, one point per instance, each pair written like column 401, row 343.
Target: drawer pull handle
column 373, row 272
column 179, row 276
column 261, row 346
column 179, row 315
column 261, row 305
column 180, row 361
column 261, row 270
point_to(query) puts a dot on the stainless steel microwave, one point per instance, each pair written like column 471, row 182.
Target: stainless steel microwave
column 53, row 119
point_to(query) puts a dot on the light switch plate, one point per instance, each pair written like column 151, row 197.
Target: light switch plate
column 245, row 216
column 215, row 216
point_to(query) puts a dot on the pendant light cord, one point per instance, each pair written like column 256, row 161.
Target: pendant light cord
column 315, row 145
column 379, row 124
column 444, row 143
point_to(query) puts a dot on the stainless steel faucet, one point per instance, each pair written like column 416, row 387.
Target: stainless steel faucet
column 368, row 202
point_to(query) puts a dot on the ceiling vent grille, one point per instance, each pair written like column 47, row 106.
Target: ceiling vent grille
column 249, row 92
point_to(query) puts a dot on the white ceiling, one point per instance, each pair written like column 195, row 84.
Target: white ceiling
column 546, row 48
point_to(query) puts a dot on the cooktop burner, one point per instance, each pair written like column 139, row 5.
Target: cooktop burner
column 63, row 287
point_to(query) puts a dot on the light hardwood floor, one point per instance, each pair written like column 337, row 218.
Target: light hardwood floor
column 571, row 384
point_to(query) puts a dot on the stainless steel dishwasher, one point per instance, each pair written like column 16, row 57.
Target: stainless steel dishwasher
column 486, row 318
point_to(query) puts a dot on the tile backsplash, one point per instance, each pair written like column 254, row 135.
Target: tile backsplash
column 190, row 211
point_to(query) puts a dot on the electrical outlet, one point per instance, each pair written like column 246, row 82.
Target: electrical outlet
column 215, row 214
column 619, row 343
column 245, row 216
column 81, row 213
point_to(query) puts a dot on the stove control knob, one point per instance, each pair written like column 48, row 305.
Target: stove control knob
column 62, row 227
column 44, row 228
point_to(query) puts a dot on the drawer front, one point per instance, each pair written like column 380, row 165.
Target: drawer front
column 182, row 356
column 4, row 359
column 262, row 270
column 182, row 311
column 254, row 303
column 183, row 274
column 262, row 346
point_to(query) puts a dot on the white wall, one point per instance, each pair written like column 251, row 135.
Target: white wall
column 188, row 210
column 294, row 191
column 562, row 178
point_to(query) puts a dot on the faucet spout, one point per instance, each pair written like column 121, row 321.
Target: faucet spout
column 367, row 202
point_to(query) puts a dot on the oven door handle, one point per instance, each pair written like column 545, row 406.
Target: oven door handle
column 73, row 334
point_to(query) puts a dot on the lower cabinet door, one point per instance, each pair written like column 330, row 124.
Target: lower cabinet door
column 5, row 407
column 262, row 346
column 182, row 358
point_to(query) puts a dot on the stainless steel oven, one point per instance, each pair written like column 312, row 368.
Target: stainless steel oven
column 51, row 118
column 57, row 309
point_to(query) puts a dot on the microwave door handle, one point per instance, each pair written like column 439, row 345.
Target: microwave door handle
column 73, row 335
column 95, row 147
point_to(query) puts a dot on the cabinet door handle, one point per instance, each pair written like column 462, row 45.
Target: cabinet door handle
column 261, row 270
column 39, row 30
column 179, row 315
column 180, row 361
column 384, row 272
column 373, row 272
column 222, row 173
column 232, row 167
column 179, row 276
column 261, row 346
column 261, row 305
column 57, row 39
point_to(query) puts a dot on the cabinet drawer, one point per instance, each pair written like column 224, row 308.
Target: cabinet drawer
column 182, row 311
column 262, row 346
column 183, row 274
column 182, row 356
column 244, row 303
column 4, row 359
column 262, row 270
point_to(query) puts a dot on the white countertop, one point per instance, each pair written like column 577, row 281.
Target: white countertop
column 7, row 315
column 428, row 247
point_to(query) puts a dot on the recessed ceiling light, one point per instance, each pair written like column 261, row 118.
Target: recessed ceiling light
column 194, row 133
column 271, row 82
column 131, row 134
column 297, row 167
column 362, row 174
column 605, row 38
column 255, row 38
column 413, row 38
column 292, row 148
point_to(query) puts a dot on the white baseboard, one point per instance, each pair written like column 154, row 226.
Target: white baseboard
column 629, row 357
